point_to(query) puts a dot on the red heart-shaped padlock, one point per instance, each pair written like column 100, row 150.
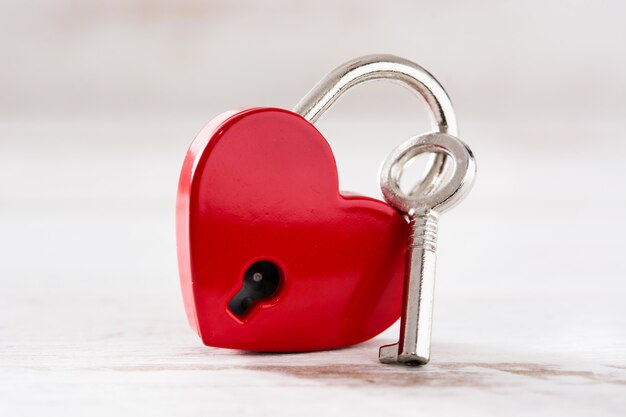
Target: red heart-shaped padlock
column 259, row 189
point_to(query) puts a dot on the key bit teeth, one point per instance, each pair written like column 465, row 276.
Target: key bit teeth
column 388, row 354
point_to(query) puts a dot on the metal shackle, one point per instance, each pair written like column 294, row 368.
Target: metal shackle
column 393, row 68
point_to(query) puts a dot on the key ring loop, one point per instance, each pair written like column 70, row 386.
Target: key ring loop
column 389, row 67
column 443, row 198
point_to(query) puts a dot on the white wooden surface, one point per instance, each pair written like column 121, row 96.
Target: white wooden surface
column 530, row 316
column 99, row 101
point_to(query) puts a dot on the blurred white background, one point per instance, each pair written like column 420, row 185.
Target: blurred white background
column 99, row 101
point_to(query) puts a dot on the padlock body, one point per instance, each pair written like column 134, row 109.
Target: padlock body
column 261, row 184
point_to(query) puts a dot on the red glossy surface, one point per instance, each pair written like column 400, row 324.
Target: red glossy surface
column 261, row 184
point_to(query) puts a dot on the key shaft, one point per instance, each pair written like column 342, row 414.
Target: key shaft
column 419, row 291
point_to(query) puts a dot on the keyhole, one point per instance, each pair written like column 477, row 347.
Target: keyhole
column 260, row 282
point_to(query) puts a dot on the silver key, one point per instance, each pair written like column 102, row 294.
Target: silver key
column 423, row 209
